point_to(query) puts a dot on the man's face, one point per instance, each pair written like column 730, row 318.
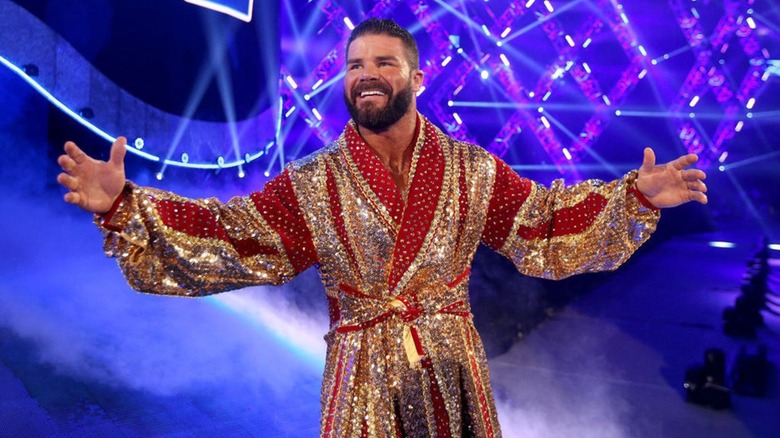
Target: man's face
column 379, row 84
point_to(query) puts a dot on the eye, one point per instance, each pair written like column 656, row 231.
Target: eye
column 354, row 67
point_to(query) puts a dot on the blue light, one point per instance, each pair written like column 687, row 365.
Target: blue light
column 64, row 108
column 103, row 134
column 722, row 244
column 240, row 9
column 291, row 81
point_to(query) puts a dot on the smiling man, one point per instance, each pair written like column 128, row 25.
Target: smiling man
column 391, row 214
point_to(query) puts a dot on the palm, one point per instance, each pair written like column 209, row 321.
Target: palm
column 671, row 184
column 92, row 184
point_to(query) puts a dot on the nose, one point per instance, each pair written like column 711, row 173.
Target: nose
column 368, row 73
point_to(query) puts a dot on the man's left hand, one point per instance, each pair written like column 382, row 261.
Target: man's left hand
column 671, row 184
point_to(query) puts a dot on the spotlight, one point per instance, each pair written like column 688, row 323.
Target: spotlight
column 87, row 112
column 744, row 317
column 705, row 383
column 30, row 69
column 750, row 372
column 139, row 143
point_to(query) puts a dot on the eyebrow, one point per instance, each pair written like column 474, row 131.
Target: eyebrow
column 378, row 58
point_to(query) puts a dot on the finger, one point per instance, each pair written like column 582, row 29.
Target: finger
column 697, row 186
column 694, row 175
column 684, row 161
column 75, row 152
column 68, row 181
column 72, row 198
column 66, row 163
column 648, row 161
column 698, row 197
column 118, row 151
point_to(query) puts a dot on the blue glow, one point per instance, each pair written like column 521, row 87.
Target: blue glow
column 721, row 244
column 240, row 9
column 291, row 81
column 64, row 108
column 108, row 137
column 305, row 344
column 249, row 157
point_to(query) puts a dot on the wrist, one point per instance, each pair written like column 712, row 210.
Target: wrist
column 106, row 217
column 633, row 189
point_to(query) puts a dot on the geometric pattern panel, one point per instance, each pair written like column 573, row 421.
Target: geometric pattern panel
column 545, row 76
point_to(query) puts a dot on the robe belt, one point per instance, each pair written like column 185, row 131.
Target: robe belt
column 408, row 312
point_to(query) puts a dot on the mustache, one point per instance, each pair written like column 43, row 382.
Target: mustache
column 365, row 86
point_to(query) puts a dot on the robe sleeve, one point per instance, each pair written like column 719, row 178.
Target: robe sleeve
column 563, row 230
column 167, row 244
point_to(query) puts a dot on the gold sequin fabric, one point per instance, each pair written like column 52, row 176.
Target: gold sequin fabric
column 403, row 356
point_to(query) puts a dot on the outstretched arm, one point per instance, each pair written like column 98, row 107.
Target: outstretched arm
column 671, row 184
column 92, row 184
column 564, row 230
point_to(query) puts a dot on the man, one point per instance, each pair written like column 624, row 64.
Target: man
column 391, row 213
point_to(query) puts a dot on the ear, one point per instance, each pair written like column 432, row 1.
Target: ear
column 417, row 79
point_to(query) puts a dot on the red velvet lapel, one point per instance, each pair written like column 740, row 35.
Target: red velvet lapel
column 426, row 182
column 412, row 224
column 372, row 173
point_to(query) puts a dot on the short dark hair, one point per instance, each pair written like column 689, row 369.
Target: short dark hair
column 388, row 26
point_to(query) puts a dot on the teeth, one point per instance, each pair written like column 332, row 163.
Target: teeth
column 371, row 93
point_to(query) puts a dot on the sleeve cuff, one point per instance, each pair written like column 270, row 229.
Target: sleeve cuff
column 106, row 218
column 633, row 190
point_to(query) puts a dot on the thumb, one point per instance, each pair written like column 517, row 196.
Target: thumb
column 649, row 160
column 118, row 151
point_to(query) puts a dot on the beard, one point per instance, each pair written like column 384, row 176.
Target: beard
column 379, row 119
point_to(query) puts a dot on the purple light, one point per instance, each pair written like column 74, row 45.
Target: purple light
column 709, row 73
column 557, row 66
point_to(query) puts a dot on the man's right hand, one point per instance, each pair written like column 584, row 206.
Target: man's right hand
column 92, row 184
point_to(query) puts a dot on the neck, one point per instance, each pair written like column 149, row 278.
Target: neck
column 394, row 147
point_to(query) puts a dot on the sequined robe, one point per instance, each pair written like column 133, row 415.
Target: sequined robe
column 403, row 356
